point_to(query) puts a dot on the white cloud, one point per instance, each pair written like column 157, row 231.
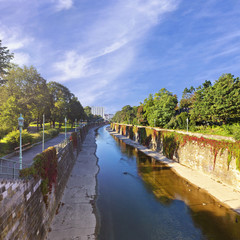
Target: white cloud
column 21, row 58
column 63, row 4
column 13, row 38
column 109, row 47
column 72, row 66
column 92, row 50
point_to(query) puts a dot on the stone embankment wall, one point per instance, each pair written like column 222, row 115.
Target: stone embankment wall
column 215, row 157
column 23, row 212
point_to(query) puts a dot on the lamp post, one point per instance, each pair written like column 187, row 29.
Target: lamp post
column 187, row 124
column 65, row 128
column 75, row 124
column 43, row 132
column 20, row 124
column 154, row 122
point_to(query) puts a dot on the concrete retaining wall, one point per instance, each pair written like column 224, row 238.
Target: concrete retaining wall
column 23, row 213
column 196, row 153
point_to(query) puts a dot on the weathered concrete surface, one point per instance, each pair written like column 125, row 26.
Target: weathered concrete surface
column 223, row 193
column 75, row 218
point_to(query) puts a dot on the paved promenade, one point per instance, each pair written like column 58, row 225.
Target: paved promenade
column 29, row 154
column 76, row 218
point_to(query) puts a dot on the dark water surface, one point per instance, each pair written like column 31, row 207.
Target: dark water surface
column 142, row 199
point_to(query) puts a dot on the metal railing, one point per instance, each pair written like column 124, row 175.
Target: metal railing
column 10, row 168
column 60, row 146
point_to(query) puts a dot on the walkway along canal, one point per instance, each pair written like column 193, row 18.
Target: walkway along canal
column 141, row 198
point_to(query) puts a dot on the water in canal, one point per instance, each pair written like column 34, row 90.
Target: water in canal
column 142, row 199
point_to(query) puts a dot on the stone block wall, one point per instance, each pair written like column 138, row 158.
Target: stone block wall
column 199, row 153
column 23, row 212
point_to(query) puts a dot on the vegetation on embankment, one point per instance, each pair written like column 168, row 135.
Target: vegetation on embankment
column 45, row 167
column 210, row 109
column 11, row 140
column 169, row 142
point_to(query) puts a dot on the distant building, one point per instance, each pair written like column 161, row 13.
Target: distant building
column 108, row 117
column 98, row 111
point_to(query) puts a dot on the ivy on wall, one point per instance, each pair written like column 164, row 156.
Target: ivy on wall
column 44, row 167
column 171, row 141
column 74, row 139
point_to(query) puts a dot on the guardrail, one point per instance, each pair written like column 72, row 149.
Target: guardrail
column 9, row 169
column 60, row 146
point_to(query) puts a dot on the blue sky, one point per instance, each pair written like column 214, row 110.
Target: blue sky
column 115, row 52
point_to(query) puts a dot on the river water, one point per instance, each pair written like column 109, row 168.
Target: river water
column 142, row 199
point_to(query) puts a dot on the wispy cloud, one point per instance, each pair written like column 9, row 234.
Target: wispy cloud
column 63, row 4
column 14, row 37
column 16, row 42
column 109, row 47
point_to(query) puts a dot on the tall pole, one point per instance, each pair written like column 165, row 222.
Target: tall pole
column 75, row 124
column 154, row 122
column 65, row 128
column 20, row 124
column 187, row 124
column 43, row 132
column 20, row 148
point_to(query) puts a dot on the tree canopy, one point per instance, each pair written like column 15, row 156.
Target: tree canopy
column 5, row 58
column 27, row 92
column 217, row 103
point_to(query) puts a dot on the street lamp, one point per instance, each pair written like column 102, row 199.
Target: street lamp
column 75, row 124
column 187, row 124
column 65, row 128
column 20, row 124
column 43, row 132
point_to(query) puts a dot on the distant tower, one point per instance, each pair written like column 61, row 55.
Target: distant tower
column 98, row 111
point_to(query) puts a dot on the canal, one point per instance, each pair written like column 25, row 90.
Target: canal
column 142, row 199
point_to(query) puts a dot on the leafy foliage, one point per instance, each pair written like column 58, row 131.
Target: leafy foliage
column 44, row 167
column 171, row 141
column 11, row 140
column 208, row 105
column 5, row 58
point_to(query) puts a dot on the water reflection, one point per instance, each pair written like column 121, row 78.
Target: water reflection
column 140, row 198
column 215, row 221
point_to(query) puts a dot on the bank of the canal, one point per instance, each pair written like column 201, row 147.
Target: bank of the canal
column 223, row 193
column 142, row 198
column 137, row 197
column 76, row 217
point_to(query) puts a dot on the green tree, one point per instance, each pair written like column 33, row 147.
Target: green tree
column 148, row 107
column 202, row 103
column 160, row 110
column 88, row 113
column 187, row 98
column 60, row 98
column 141, row 115
column 76, row 110
column 5, row 58
column 226, row 99
column 24, row 92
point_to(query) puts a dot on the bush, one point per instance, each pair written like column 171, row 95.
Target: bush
column 172, row 124
column 45, row 167
column 53, row 132
column 178, row 122
column 3, row 132
column 236, row 131
column 11, row 140
column 228, row 129
column 37, row 137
